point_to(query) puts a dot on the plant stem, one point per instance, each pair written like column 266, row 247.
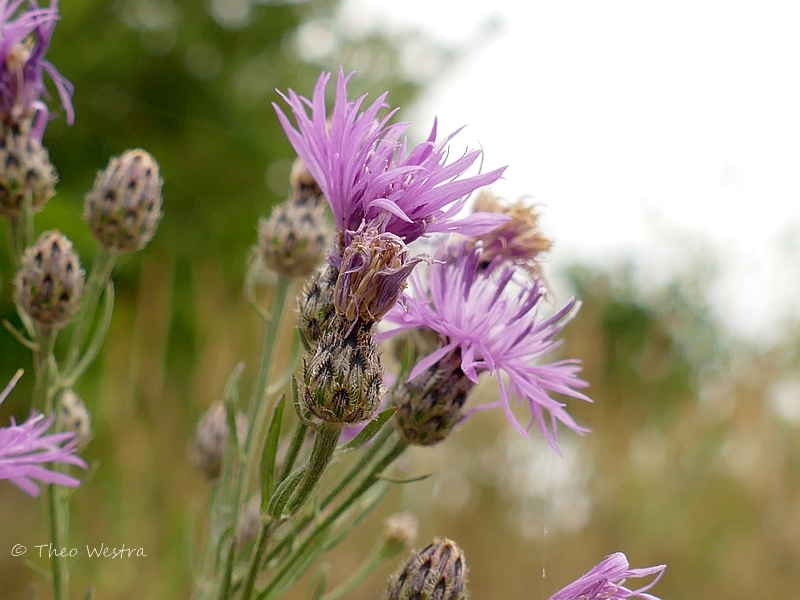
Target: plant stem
column 266, row 532
column 324, row 446
column 60, row 574
column 101, row 271
column 363, row 487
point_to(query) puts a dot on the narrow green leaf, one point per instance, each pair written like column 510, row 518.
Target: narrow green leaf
column 284, row 492
column 370, row 431
column 268, row 457
column 402, row 481
column 319, row 583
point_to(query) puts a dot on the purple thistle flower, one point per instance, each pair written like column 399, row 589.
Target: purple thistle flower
column 365, row 170
column 24, row 448
column 604, row 582
column 493, row 320
column 24, row 39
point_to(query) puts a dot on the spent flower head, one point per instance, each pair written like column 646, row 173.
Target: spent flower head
column 491, row 316
column 605, row 581
column 25, row 448
column 25, row 35
column 365, row 169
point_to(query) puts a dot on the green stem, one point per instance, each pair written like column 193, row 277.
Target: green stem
column 324, row 446
column 101, row 271
column 363, row 487
column 270, row 337
column 225, row 592
column 60, row 573
column 355, row 470
column 43, row 370
column 266, row 531
column 366, row 568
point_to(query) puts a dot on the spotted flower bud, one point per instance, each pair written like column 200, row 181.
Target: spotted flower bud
column 518, row 240
column 302, row 180
column 210, row 440
column 374, row 270
column 73, row 416
column 49, row 282
column 437, row 572
column 342, row 382
column 124, row 206
column 399, row 532
column 249, row 521
column 430, row 404
column 25, row 170
column 297, row 235
column 315, row 306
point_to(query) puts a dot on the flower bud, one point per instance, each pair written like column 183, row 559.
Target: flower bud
column 374, row 270
column 399, row 532
column 315, row 306
column 25, row 170
column 302, row 180
column 249, row 521
column 296, row 237
column 343, row 380
column 518, row 240
column 74, row 417
column 49, row 282
column 430, row 404
column 124, row 206
column 210, row 441
column 437, row 572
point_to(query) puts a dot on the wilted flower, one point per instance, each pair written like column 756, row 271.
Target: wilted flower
column 373, row 274
column 495, row 323
column 399, row 532
column 25, row 448
column 25, row 172
column 24, row 39
column 365, row 170
column 518, row 240
column 73, row 416
column 605, row 581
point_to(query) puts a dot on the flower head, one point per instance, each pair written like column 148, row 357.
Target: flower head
column 605, row 581
column 494, row 322
column 24, row 39
column 366, row 171
column 24, row 448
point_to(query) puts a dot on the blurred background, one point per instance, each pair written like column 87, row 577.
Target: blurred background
column 661, row 147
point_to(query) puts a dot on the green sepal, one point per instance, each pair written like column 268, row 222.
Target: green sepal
column 268, row 457
column 284, row 492
column 369, row 432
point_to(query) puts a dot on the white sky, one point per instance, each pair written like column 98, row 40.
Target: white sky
column 634, row 124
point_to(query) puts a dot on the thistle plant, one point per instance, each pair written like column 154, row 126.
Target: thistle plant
column 334, row 261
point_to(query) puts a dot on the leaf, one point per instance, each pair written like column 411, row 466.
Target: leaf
column 402, row 481
column 268, row 457
column 284, row 492
column 319, row 582
column 370, row 431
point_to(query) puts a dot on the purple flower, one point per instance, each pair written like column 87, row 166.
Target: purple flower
column 25, row 448
column 365, row 170
column 604, row 582
column 24, row 39
column 494, row 321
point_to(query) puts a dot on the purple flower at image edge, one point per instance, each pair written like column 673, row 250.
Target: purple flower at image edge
column 494, row 322
column 365, row 170
column 25, row 448
column 24, row 40
column 605, row 581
